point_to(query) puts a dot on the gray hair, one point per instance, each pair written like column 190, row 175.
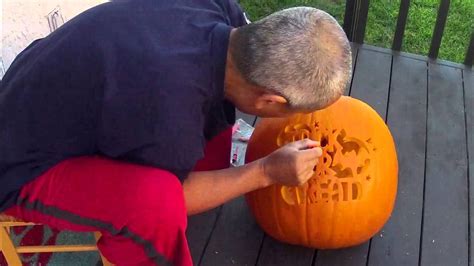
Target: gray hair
column 301, row 53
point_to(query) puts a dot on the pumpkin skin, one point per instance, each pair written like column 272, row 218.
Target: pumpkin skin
column 353, row 190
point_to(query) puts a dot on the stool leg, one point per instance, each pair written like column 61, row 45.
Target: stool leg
column 8, row 248
column 105, row 262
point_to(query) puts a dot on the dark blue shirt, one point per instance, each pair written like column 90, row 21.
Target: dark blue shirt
column 140, row 81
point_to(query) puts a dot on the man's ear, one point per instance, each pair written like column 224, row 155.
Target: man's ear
column 268, row 99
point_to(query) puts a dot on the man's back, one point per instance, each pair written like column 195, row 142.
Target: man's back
column 132, row 80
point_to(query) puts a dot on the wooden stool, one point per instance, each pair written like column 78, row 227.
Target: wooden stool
column 11, row 252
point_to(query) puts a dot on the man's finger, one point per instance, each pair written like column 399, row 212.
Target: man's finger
column 308, row 166
column 312, row 153
column 305, row 144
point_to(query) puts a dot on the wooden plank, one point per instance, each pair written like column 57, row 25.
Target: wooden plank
column 445, row 216
column 371, row 79
column 413, row 56
column 352, row 256
column 199, row 231
column 277, row 253
column 236, row 239
column 469, row 111
column 398, row 243
column 370, row 84
column 376, row 48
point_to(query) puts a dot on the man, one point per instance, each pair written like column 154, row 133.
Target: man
column 102, row 119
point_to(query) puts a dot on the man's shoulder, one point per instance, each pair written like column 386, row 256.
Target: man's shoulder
column 234, row 12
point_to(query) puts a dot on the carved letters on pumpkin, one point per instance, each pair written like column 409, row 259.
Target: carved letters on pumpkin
column 342, row 171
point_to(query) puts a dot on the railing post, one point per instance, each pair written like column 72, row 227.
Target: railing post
column 469, row 60
column 349, row 19
column 401, row 23
column 439, row 28
column 355, row 19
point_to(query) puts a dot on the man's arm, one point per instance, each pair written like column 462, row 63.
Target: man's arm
column 290, row 165
column 208, row 189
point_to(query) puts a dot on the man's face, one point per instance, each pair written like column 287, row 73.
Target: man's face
column 270, row 105
column 282, row 110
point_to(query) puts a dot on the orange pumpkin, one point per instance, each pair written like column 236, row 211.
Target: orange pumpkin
column 353, row 190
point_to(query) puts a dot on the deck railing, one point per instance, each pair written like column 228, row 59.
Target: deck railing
column 355, row 21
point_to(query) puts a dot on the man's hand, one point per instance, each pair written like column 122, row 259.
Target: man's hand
column 292, row 164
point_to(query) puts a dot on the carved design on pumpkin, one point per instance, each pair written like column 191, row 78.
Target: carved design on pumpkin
column 342, row 173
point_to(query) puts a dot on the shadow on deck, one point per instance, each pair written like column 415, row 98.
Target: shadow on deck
column 429, row 109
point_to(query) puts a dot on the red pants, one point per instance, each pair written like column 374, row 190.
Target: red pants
column 139, row 210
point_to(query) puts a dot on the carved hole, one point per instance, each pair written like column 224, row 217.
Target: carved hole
column 340, row 137
column 363, row 168
column 335, row 188
column 355, row 191
column 324, row 141
column 331, row 153
column 342, row 173
column 345, row 191
column 350, row 146
column 347, row 146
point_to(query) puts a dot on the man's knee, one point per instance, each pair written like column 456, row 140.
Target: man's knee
column 161, row 198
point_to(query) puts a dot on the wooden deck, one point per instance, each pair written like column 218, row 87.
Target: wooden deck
column 429, row 107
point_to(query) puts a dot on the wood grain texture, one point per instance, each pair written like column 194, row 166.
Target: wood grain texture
column 468, row 76
column 372, row 79
column 199, row 231
column 399, row 241
column 445, row 221
column 236, row 239
column 276, row 253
